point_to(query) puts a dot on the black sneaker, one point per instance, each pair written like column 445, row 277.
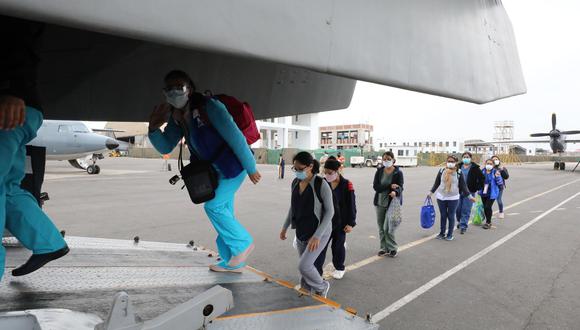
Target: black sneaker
column 440, row 236
column 382, row 253
column 393, row 254
column 36, row 261
column 458, row 225
column 462, row 231
column 486, row 226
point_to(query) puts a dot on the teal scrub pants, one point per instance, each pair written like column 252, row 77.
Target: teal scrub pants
column 232, row 238
column 19, row 210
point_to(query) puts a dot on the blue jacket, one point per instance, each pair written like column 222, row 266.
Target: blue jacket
column 493, row 182
column 220, row 140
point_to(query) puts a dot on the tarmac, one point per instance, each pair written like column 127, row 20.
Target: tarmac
column 521, row 274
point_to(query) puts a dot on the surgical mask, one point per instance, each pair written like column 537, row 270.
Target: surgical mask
column 300, row 175
column 450, row 165
column 488, row 167
column 177, row 98
column 331, row 177
column 496, row 162
column 387, row 163
column 466, row 161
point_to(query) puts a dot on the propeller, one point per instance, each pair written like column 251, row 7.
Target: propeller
column 570, row 132
column 540, row 134
column 553, row 122
column 554, row 133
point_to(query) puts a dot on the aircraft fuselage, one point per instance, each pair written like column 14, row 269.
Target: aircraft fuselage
column 65, row 140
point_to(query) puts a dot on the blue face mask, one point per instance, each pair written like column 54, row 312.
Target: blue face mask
column 300, row 175
column 177, row 98
column 466, row 161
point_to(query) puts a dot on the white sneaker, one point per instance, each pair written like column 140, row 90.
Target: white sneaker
column 501, row 215
column 338, row 274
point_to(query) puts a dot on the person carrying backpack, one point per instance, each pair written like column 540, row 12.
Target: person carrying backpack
column 344, row 218
column 504, row 175
column 450, row 186
column 311, row 216
column 490, row 191
column 474, row 178
column 388, row 184
column 211, row 134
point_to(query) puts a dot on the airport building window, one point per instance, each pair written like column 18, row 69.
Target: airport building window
column 440, row 143
column 400, row 152
column 447, row 143
column 455, row 143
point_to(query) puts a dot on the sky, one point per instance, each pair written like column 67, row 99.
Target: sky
column 547, row 35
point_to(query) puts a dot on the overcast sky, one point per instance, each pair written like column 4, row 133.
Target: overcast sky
column 548, row 38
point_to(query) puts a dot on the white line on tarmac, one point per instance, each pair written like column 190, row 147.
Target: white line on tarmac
column 512, row 214
column 561, row 209
column 372, row 259
column 431, row 284
column 539, row 211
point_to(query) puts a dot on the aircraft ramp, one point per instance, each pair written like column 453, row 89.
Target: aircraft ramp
column 158, row 277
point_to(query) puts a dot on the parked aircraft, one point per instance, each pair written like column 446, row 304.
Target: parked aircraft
column 75, row 142
column 558, row 142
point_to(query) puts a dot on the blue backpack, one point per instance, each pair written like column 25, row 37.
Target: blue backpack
column 427, row 213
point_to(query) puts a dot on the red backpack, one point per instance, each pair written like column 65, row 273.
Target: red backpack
column 242, row 114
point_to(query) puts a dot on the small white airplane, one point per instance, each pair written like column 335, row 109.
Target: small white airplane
column 75, row 142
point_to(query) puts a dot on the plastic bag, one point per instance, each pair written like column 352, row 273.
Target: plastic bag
column 477, row 213
column 394, row 215
column 427, row 213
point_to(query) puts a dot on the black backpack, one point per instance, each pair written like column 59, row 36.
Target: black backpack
column 336, row 220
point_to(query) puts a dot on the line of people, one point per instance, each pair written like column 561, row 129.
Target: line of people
column 322, row 214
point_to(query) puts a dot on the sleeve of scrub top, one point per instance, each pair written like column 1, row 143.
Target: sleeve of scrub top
column 223, row 122
column 326, row 223
column 166, row 141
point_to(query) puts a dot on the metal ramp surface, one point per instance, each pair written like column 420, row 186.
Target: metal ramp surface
column 158, row 277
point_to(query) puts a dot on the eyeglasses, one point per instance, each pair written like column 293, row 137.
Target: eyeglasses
column 295, row 169
column 180, row 88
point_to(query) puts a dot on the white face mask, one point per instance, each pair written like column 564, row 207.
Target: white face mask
column 387, row 163
column 450, row 165
column 489, row 167
column 496, row 162
column 177, row 98
column 331, row 177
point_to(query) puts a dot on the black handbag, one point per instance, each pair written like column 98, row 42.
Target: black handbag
column 199, row 177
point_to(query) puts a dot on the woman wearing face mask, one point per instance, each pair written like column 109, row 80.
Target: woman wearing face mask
column 343, row 191
column 312, row 219
column 504, row 175
column 388, row 184
column 474, row 178
column 450, row 186
column 490, row 190
column 216, row 138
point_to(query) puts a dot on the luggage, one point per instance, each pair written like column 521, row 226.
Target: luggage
column 394, row 215
column 427, row 213
column 477, row 212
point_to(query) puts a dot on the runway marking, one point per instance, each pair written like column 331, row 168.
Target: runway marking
column 561, row 209
column 510, row 214
column 372, row 259
column 540, row 211
column 431, row 284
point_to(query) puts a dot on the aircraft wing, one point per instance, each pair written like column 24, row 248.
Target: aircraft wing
column 462, row 49
column 487, row 143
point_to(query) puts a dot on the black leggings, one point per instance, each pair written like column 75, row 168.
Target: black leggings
column 487, row 208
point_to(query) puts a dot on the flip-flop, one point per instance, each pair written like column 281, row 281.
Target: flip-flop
column 242, row 257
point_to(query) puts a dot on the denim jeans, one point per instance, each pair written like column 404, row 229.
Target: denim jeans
column 464, row 211
column 447, row 210
column 500, row 201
